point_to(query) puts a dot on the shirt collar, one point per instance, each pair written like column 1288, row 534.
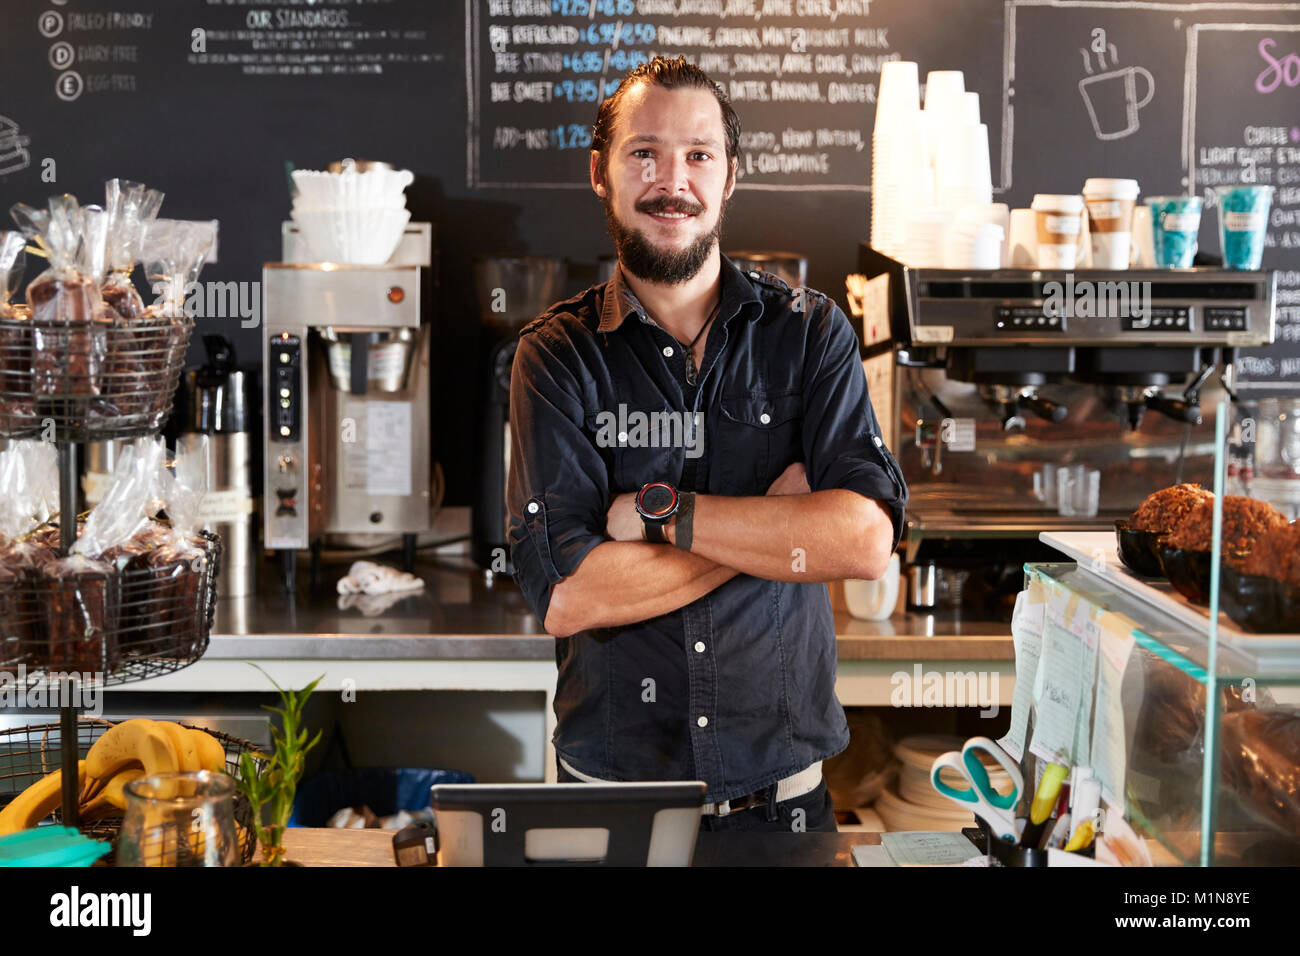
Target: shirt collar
column 620, row 302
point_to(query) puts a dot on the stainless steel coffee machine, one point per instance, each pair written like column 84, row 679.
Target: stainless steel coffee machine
column 346, row 361
column 1007, row 379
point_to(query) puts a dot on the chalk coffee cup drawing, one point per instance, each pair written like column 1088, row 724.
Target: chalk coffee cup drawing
column 1059, row 221
column 1112, row 101
column 1110, row 205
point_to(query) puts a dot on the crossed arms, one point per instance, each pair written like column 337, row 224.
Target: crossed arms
column 790, row 534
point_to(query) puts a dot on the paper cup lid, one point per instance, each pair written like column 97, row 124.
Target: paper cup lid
column 1057, row 202
column 1111, row 188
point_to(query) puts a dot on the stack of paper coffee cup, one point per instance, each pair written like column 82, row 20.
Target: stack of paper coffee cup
column 1059, row 220
column 1110, row 205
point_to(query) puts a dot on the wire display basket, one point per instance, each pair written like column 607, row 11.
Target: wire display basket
column 30, row 753
column 117, row 623
column 90, row 380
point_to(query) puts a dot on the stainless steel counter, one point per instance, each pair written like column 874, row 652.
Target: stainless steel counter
column 461, row 616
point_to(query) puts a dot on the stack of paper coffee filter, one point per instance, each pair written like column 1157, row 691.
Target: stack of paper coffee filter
column 931, row 180
column 352, row 216
column 914, row 804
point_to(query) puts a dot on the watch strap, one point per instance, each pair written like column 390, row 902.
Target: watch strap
column 682, row 530
column 654, row 531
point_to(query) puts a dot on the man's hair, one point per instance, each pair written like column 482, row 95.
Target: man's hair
column 671, row 75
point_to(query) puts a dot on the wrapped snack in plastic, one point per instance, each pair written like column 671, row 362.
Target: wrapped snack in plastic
column 128, row 391
column 130, row 207
column 69, row 324
column 1261, row 762
column 120, row 532
column 22, row 557
column 184, row 559
column 80, row 606
column 174, row 253
column 16, row 410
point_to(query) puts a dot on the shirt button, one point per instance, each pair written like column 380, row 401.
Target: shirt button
column 876, row 439
column 532, row 507
column 753, row 275
column 622, row 438
column 702, row 722
column 668, row 351
column 699, row 646
column 765, row 418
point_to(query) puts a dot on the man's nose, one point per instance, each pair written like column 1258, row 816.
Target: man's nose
column 670, row 174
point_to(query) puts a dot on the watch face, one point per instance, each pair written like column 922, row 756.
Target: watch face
column 657, row 500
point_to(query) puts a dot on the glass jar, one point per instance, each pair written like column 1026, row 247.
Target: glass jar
column 179, row 819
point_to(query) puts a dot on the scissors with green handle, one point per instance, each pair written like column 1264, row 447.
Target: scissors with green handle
column 996, row 809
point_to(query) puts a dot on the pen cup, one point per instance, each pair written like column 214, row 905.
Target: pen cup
column 1011, row 854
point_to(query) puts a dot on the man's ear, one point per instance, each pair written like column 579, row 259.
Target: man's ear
column 731, row 178
column 597, row 182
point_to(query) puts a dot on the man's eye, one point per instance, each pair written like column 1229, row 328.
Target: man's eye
column 699, row 155
column 642, row 153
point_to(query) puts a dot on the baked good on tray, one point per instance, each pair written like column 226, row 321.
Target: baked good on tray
column 1185, row 551
column 1262, row 593
column 1162, row 511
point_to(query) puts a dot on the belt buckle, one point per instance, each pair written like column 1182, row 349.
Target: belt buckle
column 756, row 799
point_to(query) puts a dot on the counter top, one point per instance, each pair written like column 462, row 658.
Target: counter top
column 462, row 614
column 334, row 847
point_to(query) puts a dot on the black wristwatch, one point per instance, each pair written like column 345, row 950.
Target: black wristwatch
column 656, row 502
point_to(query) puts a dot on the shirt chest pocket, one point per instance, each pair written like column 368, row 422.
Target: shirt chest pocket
column 640, row 445
column 759, row 434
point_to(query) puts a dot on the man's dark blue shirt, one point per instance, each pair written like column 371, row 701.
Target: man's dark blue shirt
column 737, row 688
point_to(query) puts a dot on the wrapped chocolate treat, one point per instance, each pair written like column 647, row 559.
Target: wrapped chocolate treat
column 69, row 322
column 119, row 531
column 128, row 389
column 184, row 560
column 130, row 207
column 16, row 410
column 79, row 601
column 26, row 471
column 174, row 253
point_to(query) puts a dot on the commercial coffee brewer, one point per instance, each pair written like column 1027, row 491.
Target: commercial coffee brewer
column 346, row 359
column 511, row 293
column 1005, row 380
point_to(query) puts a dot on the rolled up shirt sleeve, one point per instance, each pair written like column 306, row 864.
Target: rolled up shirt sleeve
column 843, row 447
column 557, row 492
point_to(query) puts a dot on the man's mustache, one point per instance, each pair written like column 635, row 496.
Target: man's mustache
column 665, row 204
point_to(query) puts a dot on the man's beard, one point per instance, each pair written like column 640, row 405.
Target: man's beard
column 651, row 263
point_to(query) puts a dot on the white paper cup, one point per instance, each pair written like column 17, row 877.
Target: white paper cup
column 1110, row 205
column 1022, row 239
column 1059, row 220
column 1143, row 254
column 874, row 600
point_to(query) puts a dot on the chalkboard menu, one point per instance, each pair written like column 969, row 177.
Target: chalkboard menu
column 490, row 103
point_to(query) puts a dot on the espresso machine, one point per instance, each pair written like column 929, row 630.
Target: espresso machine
column 511, row 293
column 1006, row 378
column 346, row 360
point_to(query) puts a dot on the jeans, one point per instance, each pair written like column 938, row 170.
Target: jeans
column 811, row 813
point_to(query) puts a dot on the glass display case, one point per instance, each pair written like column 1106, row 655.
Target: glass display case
column 1180, row 688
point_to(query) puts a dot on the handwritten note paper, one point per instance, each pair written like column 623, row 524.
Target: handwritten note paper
column 1109, row 756
column 1027, row 635
column 1064, row 684
column 928, row 849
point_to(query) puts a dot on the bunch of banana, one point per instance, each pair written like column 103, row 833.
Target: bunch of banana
column 127, row 751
